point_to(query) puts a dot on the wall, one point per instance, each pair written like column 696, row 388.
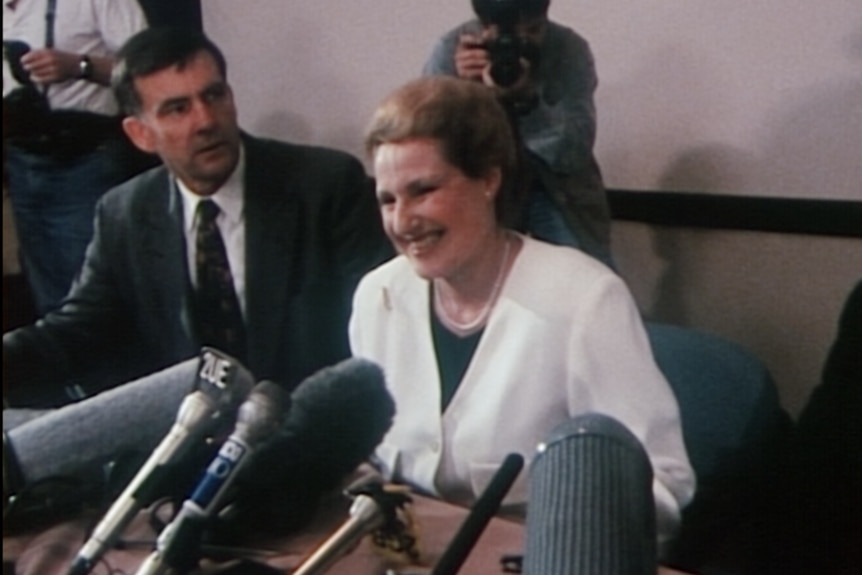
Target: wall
column 738, row 97
column 753, row 98
column 778, row 295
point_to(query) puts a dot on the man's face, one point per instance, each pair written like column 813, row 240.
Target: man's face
column 188, row 118
column 529, row 29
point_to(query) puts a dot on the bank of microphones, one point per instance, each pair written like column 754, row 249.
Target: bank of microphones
column 277, row 452
column 220, row 386
column 272, row 455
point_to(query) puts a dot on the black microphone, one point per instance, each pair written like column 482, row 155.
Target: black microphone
column 178, row 545
column 337, row 417
column 591, row 508
column 221, row 384
column 480, row 514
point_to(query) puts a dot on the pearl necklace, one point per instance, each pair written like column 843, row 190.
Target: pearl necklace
column 464, row 329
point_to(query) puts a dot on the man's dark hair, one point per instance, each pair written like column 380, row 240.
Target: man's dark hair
column 156, row 49
column 489, row 11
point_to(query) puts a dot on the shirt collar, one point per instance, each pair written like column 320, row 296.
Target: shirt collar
column 229, row 197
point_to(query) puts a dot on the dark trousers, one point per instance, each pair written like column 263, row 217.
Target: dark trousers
column 53, row 198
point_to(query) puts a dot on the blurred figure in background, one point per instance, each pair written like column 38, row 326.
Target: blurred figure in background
column 64, row 143
column 545, row 76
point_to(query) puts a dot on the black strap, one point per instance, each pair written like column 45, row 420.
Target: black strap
column 50, row 19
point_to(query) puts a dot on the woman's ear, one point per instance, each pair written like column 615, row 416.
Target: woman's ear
column 139, row 133
column 493, row 179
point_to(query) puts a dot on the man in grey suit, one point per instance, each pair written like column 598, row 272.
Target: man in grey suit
column 300, row 227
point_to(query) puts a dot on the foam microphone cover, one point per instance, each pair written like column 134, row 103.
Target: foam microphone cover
column 336, row 419
column 591, row 508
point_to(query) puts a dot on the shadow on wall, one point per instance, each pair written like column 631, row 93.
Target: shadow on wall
column 806, row 146
column 715, row 166
column 814, row 140
column 638, row 142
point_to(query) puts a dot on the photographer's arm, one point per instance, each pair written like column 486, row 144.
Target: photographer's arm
column 561, row 129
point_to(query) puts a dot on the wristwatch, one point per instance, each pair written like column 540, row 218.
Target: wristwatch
column 85, row 68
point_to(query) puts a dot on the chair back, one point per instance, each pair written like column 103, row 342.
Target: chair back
column 734, row 429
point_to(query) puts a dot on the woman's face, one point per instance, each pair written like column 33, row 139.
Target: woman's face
column 433, row 213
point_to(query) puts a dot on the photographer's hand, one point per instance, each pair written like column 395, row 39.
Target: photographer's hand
column 471, row 57
column 50, row 66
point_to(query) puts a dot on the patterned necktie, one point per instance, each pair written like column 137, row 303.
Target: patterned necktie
column 217, row 312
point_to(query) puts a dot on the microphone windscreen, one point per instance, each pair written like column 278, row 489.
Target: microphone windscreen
column 336, row 418
column 342, row 413
column 127, row 423
column 591, row 508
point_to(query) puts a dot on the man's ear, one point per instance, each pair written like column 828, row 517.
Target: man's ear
column 139, row 133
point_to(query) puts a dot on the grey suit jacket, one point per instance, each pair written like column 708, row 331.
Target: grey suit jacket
column 312, row 230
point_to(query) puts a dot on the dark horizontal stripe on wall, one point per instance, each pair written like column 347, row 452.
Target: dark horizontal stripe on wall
column 782, row 215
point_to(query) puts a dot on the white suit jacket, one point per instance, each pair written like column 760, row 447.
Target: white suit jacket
column 564, row 338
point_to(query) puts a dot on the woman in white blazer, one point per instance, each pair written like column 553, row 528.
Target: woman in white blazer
column 488, row 338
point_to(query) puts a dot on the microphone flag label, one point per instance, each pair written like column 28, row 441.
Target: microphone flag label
column 214, row 369
column 229, row 457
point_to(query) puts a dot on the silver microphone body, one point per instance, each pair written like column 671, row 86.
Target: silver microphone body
column 221, row 383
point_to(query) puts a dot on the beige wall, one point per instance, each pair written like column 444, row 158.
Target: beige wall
column 758, row 98
column 737, row 97
column 778, row 295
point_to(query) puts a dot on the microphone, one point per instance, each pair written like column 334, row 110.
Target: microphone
column 220, row 384
column 177, row 546
column 337, row 417
column 591, row 509
column 372, row 507
column 480, row 514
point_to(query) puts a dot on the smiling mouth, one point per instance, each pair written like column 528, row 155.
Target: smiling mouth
column 417, row 246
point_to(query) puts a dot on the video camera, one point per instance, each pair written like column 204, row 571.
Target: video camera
column 507, row 49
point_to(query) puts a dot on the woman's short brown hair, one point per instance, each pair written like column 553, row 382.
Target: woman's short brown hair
column 464, row 117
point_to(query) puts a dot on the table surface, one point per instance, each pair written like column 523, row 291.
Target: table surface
column 51, row 551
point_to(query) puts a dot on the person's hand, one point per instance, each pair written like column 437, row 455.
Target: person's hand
column 471, row 57
column 49, row 66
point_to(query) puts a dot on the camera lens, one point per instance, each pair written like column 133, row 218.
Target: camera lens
column 505, row 55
